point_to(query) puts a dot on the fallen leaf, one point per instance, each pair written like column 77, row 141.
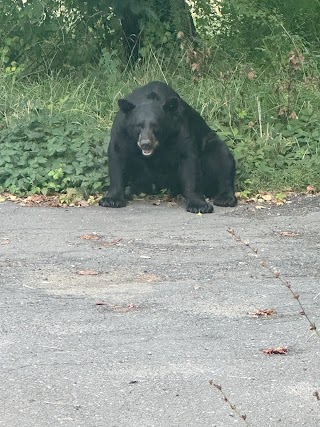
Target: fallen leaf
column 251, row 75
column 92, row 236
column 132, row 306
column 264, row 312
column 260, row 207
column 195, row 67
column 251, row 200
column 123, row 308
column 288, row 233
column 276, row 350
column 114, row 242
column 118, row 308
column 87, row 272
column 170, row 204
column 5, row 242
column 266, row 197
column 55, row 200
column 311, row 189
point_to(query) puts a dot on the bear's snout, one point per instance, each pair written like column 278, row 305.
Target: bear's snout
column 147, row 145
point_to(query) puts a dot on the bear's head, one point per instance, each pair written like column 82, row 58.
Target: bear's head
column 151, row 121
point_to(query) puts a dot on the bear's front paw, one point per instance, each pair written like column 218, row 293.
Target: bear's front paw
column 226, row 200
column 108, row 202
column 199, row 206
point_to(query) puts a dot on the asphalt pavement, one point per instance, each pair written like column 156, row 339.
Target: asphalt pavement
column 138, row 316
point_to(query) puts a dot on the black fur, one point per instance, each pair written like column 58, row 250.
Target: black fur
column 159, row 141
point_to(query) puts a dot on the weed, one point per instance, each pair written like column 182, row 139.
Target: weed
column 277, row 275
column 242, row 417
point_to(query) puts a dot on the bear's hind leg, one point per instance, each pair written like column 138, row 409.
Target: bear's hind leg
column 218, row 167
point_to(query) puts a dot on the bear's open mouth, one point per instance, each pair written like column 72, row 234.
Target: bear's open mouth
column 147, row 146
column 147, row 152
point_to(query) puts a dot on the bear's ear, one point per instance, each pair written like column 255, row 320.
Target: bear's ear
column 125, row 106
column 171, row 105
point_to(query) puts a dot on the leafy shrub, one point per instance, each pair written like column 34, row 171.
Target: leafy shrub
column 45, row 153
column 285, row 158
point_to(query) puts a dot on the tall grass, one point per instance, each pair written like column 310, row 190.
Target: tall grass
column 268, row 112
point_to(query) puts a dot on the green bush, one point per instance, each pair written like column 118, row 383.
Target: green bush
column 45, row 153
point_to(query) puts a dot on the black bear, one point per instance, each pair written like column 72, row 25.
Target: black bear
column 159, row 142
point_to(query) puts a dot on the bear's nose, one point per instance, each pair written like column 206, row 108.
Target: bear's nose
column 145, row 144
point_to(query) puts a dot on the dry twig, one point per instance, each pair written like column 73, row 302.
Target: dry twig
column 233, row 407
column 278, row 276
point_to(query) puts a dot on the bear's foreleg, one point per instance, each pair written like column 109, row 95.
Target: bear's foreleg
column 115, row 197
column 190, row 179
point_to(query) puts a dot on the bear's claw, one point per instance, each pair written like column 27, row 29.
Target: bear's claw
column 229, row 200
column 199, row 207
column 112, row 203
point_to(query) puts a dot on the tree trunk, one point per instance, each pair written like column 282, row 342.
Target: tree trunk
column 174, row 12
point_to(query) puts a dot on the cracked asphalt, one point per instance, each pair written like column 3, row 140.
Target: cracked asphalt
column 121, row 317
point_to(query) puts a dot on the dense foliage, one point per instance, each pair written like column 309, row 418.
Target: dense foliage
column 250, row 67
column 50, row 35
